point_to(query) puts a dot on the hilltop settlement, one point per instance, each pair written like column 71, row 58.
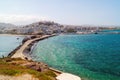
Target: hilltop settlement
column 50, row 27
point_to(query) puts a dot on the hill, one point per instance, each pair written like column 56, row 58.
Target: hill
column 50, row 27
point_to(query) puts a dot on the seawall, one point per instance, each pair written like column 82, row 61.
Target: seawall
column 20, row 50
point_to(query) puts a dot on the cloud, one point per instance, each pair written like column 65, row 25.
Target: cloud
column 21, row 19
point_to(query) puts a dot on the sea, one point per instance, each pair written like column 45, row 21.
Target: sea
column 90, row 56
column 8, row 43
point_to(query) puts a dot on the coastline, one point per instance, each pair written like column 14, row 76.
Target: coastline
column 14, row 35
column 20, row 50
column 18, row 53
column 23, row 51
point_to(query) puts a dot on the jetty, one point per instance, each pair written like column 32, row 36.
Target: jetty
column 19, row 52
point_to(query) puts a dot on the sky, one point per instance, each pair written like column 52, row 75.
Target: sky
column 73, row 12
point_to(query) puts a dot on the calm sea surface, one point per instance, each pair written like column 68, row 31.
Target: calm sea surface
column 9, row 43
column 91, row 56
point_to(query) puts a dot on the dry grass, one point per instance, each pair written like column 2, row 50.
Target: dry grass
column 7, row 68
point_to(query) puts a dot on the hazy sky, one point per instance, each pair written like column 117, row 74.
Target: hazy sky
column 76, row 12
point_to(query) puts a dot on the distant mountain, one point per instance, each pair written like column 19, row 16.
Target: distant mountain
column 4, row 27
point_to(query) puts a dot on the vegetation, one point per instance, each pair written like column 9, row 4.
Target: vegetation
column 8, row 68
column 70, row 30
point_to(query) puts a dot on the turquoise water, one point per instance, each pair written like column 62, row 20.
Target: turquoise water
column 114, row 30
column 92, row 57
column 8, row 43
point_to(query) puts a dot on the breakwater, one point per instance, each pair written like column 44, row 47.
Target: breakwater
column 26, row 45
column 23, row 50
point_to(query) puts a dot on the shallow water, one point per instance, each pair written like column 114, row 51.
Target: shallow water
column 9, row 43
column 92, row 57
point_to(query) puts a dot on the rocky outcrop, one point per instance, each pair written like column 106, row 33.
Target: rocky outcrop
column 38, row 66
column 19, row 69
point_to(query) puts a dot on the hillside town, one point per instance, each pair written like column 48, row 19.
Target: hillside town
column 49, row 27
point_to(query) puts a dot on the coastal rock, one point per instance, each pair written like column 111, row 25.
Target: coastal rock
column 39, row 66
column 25, row 39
